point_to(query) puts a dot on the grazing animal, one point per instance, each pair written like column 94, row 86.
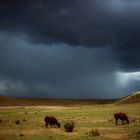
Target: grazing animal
column 52, row 121
column 121, row 116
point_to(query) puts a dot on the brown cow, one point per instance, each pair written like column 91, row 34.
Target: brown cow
column 52, row 121
column 121, row 116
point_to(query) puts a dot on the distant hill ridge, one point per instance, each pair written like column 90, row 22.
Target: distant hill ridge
column 133, row 98
column 11, row 101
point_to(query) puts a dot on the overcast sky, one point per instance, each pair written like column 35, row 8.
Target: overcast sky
column 69, row 48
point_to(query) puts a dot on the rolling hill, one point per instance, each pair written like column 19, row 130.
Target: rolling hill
column 133, row 98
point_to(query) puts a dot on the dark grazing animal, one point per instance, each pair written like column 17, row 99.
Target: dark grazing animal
column 52, row 121
column 121, row 116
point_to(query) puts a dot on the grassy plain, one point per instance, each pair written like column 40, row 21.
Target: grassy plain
column 86, row 118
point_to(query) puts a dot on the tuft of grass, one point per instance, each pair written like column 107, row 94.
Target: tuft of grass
column 17, row 121
column 69, row 125
column 21, row 135
column 24, row 120
column 135, row 135
column 94, row 133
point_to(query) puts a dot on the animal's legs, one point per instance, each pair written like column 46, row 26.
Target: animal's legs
column 116, row 120
column 46, row 124
column 123, row 122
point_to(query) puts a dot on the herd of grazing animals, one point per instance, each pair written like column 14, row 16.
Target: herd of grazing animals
column 52, row 121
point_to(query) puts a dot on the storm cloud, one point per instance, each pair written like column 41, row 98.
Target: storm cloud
column 87, row 23
column 58, row 71
column 68, row 49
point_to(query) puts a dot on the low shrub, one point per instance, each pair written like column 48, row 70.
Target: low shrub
column 69, row 125
column 21, row 135
column 135, row 135
column 17, row 121
column 24, row 120
column 94, row 133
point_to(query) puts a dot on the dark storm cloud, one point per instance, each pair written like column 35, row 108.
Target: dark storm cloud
column 89, row 23
column 60, row 71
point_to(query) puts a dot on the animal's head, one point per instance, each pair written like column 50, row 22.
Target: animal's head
column 46, row 118
column 58, row 125
column 127, row 121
